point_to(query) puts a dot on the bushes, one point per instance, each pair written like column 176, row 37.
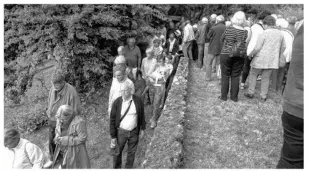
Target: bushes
column 82, row 38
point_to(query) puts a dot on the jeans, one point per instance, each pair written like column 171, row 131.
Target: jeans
column 246, row 69
column 209, row 61
column 292, row 152
column 266, row 73
column 187, row 49
column 230, row 69
column 277, row 78
column 201, row 48
column 159, row 94
column 51, row 136
column 132, row 139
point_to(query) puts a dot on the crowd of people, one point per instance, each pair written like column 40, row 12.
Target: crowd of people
column 233, row 48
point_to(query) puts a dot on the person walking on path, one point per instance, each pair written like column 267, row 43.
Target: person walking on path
column 231, row 67
column 127, row 125
column 61, row 93
column 278, row 75
column 256, row 30
column 188, row 39
column 201, row 40
column 266, row 56
column 133, row 56
column 215, row 45
column 20, row 153
column 292, row 152
column 71, row 136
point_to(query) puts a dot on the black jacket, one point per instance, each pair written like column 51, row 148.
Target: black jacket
column 175, row 48
column 116, row 114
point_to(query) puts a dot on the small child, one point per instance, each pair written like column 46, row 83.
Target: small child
column 157, row 48
column 140, row 86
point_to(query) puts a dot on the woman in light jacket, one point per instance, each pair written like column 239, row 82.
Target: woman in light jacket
column 71, row 136
column 270, row 45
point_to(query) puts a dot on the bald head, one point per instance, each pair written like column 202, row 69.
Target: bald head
column 212, row 17
column 204, row 20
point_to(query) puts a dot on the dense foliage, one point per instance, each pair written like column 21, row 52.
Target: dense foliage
column 195, row 12
column 82, row 38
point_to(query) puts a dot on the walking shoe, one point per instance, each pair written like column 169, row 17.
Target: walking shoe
column 259, row 78
column 248, row 95
column 242, row 86
column 219, row 97
column 48, row 164
column 153, row 124
column 263, row 99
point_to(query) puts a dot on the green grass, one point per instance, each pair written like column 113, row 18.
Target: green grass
column 225, row 134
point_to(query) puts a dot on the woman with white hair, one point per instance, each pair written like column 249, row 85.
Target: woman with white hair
column 71, row 136
column 231, row 67
column 278, row 75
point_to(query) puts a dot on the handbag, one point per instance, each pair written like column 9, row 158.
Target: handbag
column 116, row 151
column 237, row 50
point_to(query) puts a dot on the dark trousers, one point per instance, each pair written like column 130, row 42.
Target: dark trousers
column 51, row 136
column 230, row 68
column 292, row 153
column 132, row 139
column 201, row 48
column 246, row 69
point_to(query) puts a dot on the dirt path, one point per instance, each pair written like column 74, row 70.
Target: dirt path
column 218, row 134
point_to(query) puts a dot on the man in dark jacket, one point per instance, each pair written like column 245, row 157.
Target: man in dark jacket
column 292, row 153
column 215, row 45
column 201, row 40
column 126, row 124
column 172, row 45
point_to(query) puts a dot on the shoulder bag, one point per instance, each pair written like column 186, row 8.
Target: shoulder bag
column 237, row 50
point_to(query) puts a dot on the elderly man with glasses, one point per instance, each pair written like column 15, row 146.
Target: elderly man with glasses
column 127, row 125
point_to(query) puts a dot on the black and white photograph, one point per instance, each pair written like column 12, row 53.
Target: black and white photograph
column 152, row 85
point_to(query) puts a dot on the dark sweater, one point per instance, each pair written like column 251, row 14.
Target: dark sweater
column 214, row 36
column 232, row 35
column 116, row 114
column 294, row 89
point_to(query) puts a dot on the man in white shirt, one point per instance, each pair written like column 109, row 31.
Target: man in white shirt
column 188, row 38
column 120, row 78
column 127, row 125
column 22, row 153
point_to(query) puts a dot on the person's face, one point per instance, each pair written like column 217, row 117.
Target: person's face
column 131, row 42
column 120, row 52
column 65, row 119
column 156, row 44
column 171, row 25
column 125, row 92
column 58, row 86
column 10, row 142
column 171, row 36
column 119, row 76
column 168, row 61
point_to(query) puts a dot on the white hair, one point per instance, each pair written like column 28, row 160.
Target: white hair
column 120, row 48
column 213, row 16
column 120, row 59
column 228, row 23
column 238, row 18
column 282, row 23
column 204, row 20
column 126, row 86
column 64, row 110
column 274, row 16
column 219, row 18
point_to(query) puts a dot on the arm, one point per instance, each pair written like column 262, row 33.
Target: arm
column 283, row 46
column 248, row 37
column 76, row 140
column 113, row 120
column 75, row 102
column 48, row 112
column 145, row 90
column 142, row 68
column 143, row 123
column 210, row 34
column 186, row 34
column 35, row 155
column 132, row 86
column 139, row 58
column 258, row 46
column 110, row 98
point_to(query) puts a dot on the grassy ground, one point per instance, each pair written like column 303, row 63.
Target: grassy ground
column 218, row 134
column 98, row 131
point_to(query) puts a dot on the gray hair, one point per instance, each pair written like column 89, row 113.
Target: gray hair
column 282, row 23
column 126, row 86
column 64, row 110
column 204, row 20
column 219, row 18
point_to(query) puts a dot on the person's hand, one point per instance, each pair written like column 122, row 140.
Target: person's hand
column 113, row 143
column 141, row 134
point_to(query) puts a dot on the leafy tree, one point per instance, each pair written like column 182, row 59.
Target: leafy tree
column 81, row 38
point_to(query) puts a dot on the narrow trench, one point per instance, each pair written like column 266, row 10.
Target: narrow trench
column 143, row 144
